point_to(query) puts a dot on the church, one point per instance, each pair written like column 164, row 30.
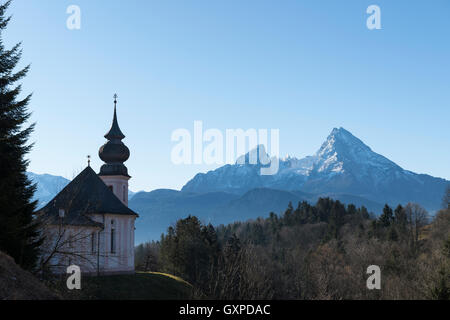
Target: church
column 88, row 223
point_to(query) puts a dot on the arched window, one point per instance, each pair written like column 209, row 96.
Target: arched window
column 111, row 188
column 124, row 193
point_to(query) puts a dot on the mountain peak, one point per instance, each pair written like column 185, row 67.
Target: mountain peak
column 257, row 155
column 339, row 130
column 341, row 141
column 342, row 149
column 345, row 137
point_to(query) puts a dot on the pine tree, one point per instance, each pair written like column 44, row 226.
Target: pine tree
column 387, row 217
column 232, row 247
column 288, row 215
column 364, row 214
column 18, row 228
column 400, row 215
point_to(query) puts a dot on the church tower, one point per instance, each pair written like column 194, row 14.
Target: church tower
column 114, row 153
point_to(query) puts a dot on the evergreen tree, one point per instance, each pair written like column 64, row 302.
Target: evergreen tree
column 351, row 209
column 335, row 219
column 18, row 228
column 288, row 214
column 364, row 214
column 400, row 215
column 387, row 217
column 232, row 247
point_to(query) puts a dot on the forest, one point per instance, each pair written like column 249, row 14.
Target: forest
column 319, row 251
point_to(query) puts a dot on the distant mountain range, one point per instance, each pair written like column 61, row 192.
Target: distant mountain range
column 344, row 168
column 48, row 186
column 342, row 165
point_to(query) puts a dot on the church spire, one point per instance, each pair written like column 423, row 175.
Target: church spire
column 114, row 152
column 114, row 132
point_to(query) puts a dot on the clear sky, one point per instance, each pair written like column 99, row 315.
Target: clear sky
column 303, row 67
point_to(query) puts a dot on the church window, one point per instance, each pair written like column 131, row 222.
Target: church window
column 124, row 193
column 70, row 240
column 93, row 242
column 113, row 238
column 111, row 188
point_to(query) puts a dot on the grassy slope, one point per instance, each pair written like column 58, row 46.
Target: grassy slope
column 18, row 284
column 140, row 286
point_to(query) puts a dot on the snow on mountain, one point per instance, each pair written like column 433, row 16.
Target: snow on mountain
column 342, row 165
column 342, row 149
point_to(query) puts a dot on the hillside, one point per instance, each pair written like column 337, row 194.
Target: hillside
column 139, row 286
column 18, row 284
column 311, row 252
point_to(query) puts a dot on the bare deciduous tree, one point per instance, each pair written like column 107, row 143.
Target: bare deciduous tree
column 446, row 198
column 417, row 218
column 65, row 244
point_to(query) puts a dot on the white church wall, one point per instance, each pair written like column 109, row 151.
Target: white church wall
column 119, row 185
column 66, row 245
column 122, row 259
column 74, row 245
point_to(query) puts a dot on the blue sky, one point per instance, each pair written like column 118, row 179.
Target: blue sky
column 301, row 66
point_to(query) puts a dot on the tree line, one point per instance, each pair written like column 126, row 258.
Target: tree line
column 318, row 251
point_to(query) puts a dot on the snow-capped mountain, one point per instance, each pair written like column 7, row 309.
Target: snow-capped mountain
column 342, row 165
column 343, row 149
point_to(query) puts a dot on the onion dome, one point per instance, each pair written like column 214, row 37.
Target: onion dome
column 114, row 152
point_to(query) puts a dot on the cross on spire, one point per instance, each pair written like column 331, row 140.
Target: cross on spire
column 89, row 160
column 114, row 132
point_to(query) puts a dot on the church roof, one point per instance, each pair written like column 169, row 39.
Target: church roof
column 114, row 132
column 114, row 152
column 84, row 195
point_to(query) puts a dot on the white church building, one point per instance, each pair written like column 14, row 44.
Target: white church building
column 88, row 223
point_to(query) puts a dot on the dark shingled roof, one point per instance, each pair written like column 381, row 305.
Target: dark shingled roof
column 84, row 195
